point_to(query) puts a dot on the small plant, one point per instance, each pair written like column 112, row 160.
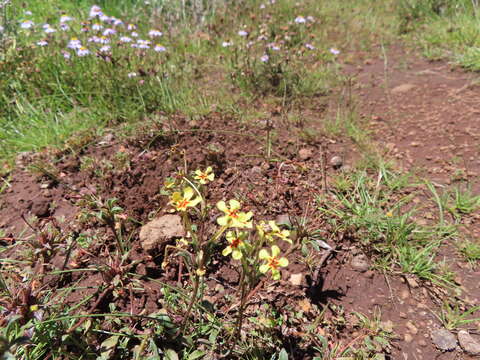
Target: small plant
column 455, row 316
column 471, row 251
column 245, row 242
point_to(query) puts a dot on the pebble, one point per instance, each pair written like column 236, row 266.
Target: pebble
column 413, row 329
column 296, row 279
column 408, row 338
column 468, row 343
column 443, row 339
column 305, row 153
column 400, row 89
column 336, row 162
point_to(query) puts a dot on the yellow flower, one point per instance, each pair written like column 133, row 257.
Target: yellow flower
column 236, row 243
column 389, row 214
column 204, row 177
column 272, row 262
column 183, row 202
column 232, row 217
column 272, row 232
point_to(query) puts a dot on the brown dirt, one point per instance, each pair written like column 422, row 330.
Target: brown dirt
column 430, row 126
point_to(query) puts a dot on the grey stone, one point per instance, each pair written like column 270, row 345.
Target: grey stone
column 283, row 219
column 360, row 263
column 401, row 89
column 443, row 339
column 160, row 230
column 468, row 343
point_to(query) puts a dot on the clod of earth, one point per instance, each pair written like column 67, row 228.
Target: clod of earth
column 305, row 154
column 443, row 339
column 157, row 232
column 360, row 263
column 400, row 89
column 468, row 343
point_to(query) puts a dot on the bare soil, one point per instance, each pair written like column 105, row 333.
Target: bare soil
column 431, row 126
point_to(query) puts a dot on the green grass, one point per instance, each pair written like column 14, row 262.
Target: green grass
column 380, row 219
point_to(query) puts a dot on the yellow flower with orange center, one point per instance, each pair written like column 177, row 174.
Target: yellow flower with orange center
column 272, row 262
column 233, row 217
column 204, row 177
column 181, row 202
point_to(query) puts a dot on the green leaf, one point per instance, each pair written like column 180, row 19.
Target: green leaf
column 170, row 355
column 197, row 354
column 283, row 355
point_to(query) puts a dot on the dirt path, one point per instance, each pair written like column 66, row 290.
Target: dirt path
column 426, row 114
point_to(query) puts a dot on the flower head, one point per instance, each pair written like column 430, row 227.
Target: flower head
column 334, row 51
column 109, row 31
column 125, row 39
column 65, row 18
column 154, row 33
column 42, row 43
column 236, row 242
column 74, row 43
column 264, row 58
column 181, row 202
column 300, row 20
column 83, row 51
column 159, row 48
column 272, row 232
column 26, row 24
column 204, row 177
column 226, row 44
column 243, row 33
column 232, row 217
column 97, row 26
column 272, row 262
column 95, row 10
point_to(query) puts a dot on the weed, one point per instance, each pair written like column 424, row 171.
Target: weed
column 455, row 316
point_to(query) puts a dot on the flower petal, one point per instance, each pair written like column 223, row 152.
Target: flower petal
column 222, row 221
column 237, row 254
column 234, row 205
column 227, row 251
column 275, row 250
column 264, row 268
column 188, row 193
column 222, row 206
column 263, row 254
column 276, row 275
column 283, row 262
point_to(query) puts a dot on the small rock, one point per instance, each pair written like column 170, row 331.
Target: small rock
column 305, row 154
column 160, row 230
column 283, row 219
column 422, row 342
column 412, row 282
column 360, row 263
column 401, row 89
column 413, row 329
column 408, row 338
column 468, row 343
column 296, row 279
column 443, row 339
column 336, row 162
column 41, row 207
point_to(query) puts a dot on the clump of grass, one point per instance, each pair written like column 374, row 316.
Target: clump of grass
column 382, row 222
